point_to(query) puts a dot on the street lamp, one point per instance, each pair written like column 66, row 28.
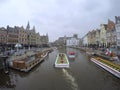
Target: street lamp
column 18, row 45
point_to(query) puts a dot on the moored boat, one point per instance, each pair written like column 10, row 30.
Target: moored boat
column 62, row 61
column 113, row 68
column 25, row 64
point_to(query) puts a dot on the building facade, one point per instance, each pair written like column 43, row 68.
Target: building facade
column 31, row 35
column 22, row 36
column 97, row 37
column 93, row 37
column 3, row 39
column 111, row 34
column 38, row 39
column 103, row 39
column 117, row 26
column 12, row 35
column 89, row 38
column 44, row 39
column 3, row 35
column 72, row 41
column 85, row 40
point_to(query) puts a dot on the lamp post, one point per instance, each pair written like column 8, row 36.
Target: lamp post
column 18, row 46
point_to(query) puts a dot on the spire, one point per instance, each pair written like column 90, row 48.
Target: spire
column 28, row 26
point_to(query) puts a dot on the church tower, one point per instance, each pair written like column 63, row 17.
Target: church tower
column 28, row 26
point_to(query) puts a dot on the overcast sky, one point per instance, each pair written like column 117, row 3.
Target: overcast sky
column 58, row 17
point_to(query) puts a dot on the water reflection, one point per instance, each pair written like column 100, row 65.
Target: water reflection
column 6, row 81
column 72, row 59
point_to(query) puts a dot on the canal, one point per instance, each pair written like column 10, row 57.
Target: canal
column 82, row 75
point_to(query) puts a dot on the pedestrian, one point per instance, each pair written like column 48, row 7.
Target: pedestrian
column 107, row 51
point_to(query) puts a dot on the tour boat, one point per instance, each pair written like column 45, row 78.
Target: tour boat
column 107, row 65
column 62, row 61
column 25, row 64
column 71, row 54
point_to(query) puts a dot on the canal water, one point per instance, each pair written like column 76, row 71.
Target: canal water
column 82, row 75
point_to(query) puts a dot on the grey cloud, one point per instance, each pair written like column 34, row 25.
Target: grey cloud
column 59, row 17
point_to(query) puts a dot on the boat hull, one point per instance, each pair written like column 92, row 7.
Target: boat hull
column 71, row 56
column 106, row 67
column 64, row 64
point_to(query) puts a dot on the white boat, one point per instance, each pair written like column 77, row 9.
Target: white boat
column 71, row 54
column 62, row 61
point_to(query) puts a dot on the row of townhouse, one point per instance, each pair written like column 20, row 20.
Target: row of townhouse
column 27, row 37
column 107, row 36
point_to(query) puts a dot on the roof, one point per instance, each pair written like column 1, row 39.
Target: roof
column 111, row 25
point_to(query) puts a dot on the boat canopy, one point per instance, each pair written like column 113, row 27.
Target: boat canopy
column 71, row 53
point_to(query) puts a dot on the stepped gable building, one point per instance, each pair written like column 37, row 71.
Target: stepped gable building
column 111, row 33
column 12, row 35
column 103, row 39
